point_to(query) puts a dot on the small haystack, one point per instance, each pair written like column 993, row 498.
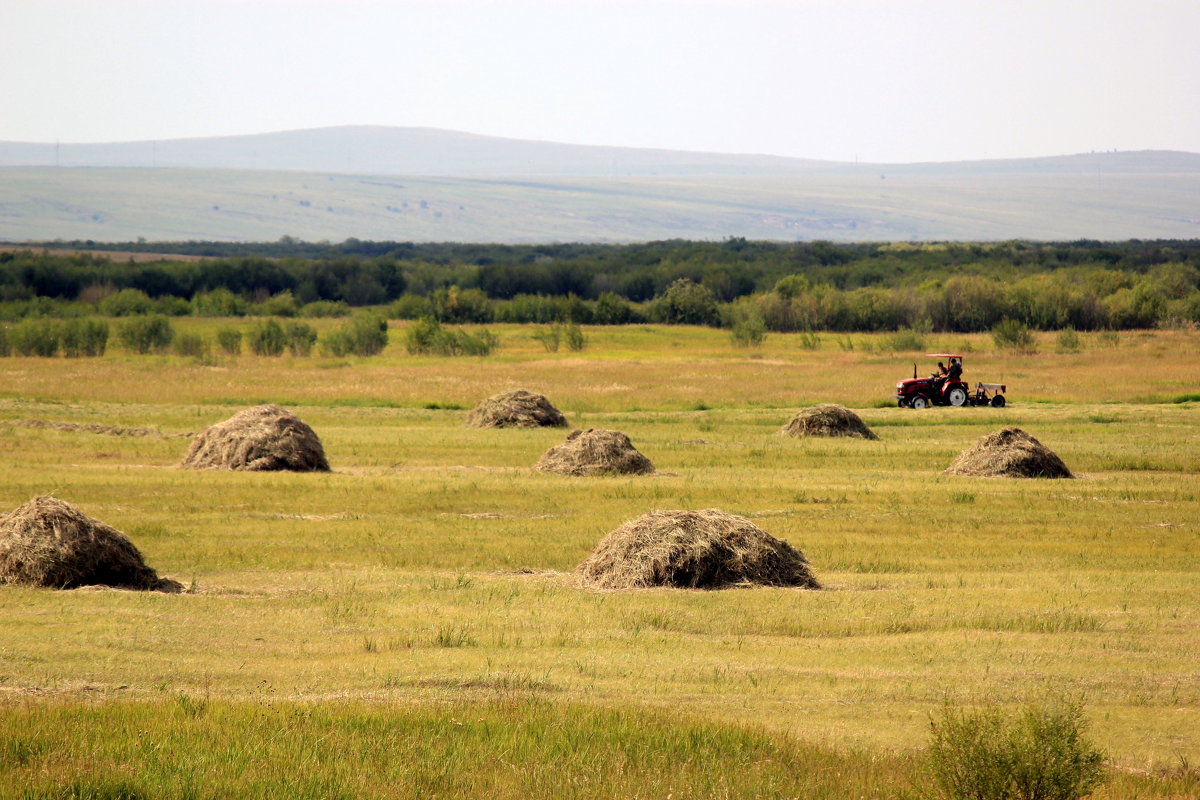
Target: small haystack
column 47, row 542
column 516, row 409
column 262, row 438
column 1009, row 453
column 693, row 550
column 828, row 419
column 594, row 452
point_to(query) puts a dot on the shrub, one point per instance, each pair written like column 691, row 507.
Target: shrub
column 324, row 308
column 192, row 345
column 84, row 337
column 5, row 349
column 145, row 334
column 300, row 338
column 453, row 304
column 612, row 309
column 1013, row 334
column 172, row 306
column 904, row 340
column 126, row 303
column 278, row 305
column 1068, row 341
column 267, row 338
column 686, row 302
column 364, row 335
column 576, row 341
column 746, row 323
column 218, row 303
column 1040, row 755
column 230, row 341
column 410, row 306
column 550, row 337
column 34, row 337
column 426, row 336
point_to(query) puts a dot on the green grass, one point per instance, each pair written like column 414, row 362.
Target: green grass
column 430, row 577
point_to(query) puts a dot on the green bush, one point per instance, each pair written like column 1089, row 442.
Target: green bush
column 84, row 337
column 612, row 309
column 576, row 341
column 744, row 318
column 1014, row 335
column 1068, row 341
column 145, row 334
column 324, row 308
column 218, row 303
column 453, row 304
column 410, row 306
column 550, row 337
column 278, row 305
column 426, row 336
column 300, row 338
column 904, row 340
column 685, row 302
column 5, row 349
column 1040, row 755
column 126, row 303
column 34, row 337
column 172, row 306
column 192, row 345
column 364, row 335
column 267, row 338
column 230, row 341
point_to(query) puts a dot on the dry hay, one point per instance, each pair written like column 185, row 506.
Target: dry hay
column 47, row 542
column 828, row 419
column 593, row 452
column 1009, row 453
column 707, row 549
column 258, row 439
column 516, row 409
column 86, row 427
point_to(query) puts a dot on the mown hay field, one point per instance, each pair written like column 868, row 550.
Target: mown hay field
column 418, row 603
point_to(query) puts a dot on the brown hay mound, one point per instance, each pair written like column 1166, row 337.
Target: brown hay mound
column 516, row 409
column 828, row 419
column 593, row 452
column 693, row 550
column 258, row 439
column 47, row 542
column 1009, row 453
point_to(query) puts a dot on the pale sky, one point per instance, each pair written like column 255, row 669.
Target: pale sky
column 876, row 80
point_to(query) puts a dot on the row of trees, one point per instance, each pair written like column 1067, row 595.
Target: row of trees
column 793, row 287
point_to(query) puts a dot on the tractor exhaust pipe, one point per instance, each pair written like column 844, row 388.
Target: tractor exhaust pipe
column 914, row 370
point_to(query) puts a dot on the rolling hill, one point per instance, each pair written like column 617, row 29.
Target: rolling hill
column 427, row 185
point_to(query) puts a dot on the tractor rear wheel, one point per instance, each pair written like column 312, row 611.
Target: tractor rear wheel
column 957, row 396
column 998, row 401
column 918, row 402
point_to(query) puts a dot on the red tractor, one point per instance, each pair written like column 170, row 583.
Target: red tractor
column 945, row 387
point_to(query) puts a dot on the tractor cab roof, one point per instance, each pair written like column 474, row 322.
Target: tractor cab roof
column 943, row 355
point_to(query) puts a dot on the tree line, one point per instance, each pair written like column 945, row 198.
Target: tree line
column 1084, row 285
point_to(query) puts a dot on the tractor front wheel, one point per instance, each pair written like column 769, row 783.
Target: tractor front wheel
column 957, row 396
column 918, row 402
column 998, row 401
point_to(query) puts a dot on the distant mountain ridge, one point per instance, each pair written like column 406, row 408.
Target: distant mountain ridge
column 381, row 150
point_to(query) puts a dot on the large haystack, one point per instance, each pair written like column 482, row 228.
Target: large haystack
column 828, row 419
column 262, row 438
column 595, row 452
column 693, row 550
column 47, row 542
column 1009, row 453
column 516, row 409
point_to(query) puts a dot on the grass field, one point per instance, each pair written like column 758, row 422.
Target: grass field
column 408, row 626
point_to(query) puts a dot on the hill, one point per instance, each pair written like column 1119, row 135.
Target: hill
column 426, row 185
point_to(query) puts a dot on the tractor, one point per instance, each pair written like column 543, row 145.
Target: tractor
column 947, row 388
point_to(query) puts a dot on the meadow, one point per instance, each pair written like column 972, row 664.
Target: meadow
column 408, row 625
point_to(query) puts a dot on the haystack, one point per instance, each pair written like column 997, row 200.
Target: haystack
column 1009, row 453
column 47, row 542
column 828, row 419
column 258, row 439
column 707, row 549
column 594, row 452
column 516, row 409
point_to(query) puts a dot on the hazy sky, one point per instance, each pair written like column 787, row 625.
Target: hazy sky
column 877, row 80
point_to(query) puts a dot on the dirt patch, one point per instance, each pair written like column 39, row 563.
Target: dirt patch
column 707, row 549
column 516, row 409
column 595, row 452
column 1009, row 453
column 828, row 419
column 48, row 542
column 263, row 438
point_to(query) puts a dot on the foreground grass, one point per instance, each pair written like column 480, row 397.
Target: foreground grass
column 429, row 578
